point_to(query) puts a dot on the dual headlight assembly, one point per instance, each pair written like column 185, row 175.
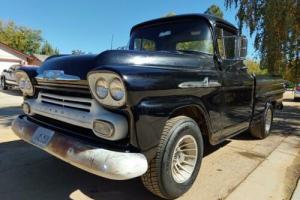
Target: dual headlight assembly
column 24, row 83
column 107, row 88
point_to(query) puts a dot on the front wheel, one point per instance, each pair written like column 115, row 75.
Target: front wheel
column 178, row 158
column 262, row 128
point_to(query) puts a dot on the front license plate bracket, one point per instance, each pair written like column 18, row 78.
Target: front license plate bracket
column 42, row 137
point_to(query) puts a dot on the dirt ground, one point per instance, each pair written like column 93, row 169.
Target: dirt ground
column 240, row 168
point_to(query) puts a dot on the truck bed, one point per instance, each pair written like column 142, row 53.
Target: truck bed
column 270, row 87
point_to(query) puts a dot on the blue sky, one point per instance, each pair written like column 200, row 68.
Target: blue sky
column 89, row 25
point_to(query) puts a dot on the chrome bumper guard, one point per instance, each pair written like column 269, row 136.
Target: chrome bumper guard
column 99, row 161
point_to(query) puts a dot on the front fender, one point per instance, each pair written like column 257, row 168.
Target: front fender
column 30, row 71
column 151, row 115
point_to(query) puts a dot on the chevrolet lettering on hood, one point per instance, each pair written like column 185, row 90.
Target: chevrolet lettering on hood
column 56, row 75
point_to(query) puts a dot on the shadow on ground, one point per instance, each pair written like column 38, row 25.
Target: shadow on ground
column 37, row 175
column 280, row 125
column 12, row 92
column 30, row 173
column 8, row 114
column 287, row 121
column 10, row 111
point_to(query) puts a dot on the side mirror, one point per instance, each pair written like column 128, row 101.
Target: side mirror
column 242, row 46
column 235, row 47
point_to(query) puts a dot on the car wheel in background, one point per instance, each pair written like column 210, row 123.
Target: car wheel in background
column 3, row 85
column 262, row 128
column 178, row 158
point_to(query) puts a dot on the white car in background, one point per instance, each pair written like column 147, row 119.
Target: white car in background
column 297, row 92
column 7, row 77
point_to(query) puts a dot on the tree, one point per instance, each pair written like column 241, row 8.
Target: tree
column 254, row 67
column 169, row 14
column 277, row 33
column 77, row 52
column 56, row 51
column 21, row 38
column 214, row 10
column 47, row 49
column 25, row 39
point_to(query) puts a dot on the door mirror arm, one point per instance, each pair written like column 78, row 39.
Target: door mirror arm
column 218, row 61
column 244, row 69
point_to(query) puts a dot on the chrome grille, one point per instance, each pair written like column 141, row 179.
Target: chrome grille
column 78, row 103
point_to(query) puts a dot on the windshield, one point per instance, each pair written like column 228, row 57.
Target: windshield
column 185, row 36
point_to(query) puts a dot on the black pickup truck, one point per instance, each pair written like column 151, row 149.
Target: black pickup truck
column 145, row 111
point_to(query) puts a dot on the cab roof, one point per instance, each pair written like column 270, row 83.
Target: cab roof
column 211, row 19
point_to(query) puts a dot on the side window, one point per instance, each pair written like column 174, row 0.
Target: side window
column 144, row 45
column 220, row 41
column 196, row 40
column 226, row 43
column 205, row 46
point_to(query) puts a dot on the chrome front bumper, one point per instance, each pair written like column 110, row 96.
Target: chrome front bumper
column 102, row 162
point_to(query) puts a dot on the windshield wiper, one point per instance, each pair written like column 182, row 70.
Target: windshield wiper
column 189, row 51
column 182, row 51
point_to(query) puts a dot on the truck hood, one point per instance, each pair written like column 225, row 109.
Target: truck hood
column 81, row 65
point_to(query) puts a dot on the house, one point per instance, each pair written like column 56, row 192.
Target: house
column 37, row 59
column 10, row 56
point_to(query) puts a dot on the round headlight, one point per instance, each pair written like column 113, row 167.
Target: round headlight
column 28, row 85
column 102, row 88
column 24, row 83
column 117, row 91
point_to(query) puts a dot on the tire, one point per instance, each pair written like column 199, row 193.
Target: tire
column 162, row 177
column 262, row 128
column 3, row 84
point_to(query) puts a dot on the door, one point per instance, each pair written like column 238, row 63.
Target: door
column 237, row 84
column 11, row 76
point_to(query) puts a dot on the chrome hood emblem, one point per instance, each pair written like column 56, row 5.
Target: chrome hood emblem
column 56, row 75
column 200, row 84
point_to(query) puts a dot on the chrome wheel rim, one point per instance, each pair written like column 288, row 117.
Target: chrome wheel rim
column 184, row 158
column 268, row 120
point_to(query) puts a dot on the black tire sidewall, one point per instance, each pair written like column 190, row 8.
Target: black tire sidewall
column 3, row 85
column 170, row 188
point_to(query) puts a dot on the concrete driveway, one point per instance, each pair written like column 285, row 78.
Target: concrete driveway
column 240, row 168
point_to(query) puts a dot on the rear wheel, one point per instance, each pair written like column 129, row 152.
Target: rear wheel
column 3, row 84
column 262, row 128
column 178, row 158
